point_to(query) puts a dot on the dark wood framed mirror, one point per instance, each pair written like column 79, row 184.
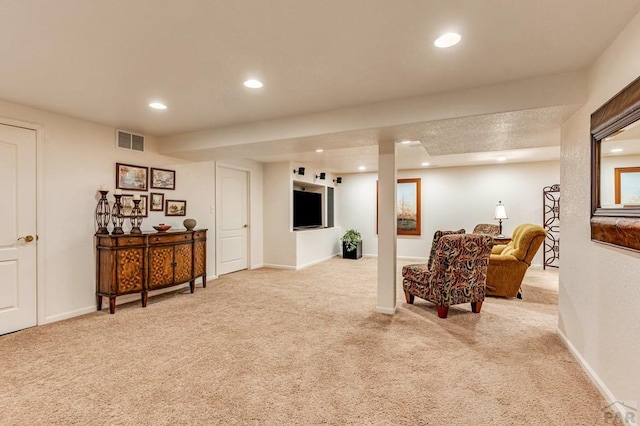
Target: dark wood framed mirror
column 615, row 170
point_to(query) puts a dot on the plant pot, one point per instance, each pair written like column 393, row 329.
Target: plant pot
column 353, row 254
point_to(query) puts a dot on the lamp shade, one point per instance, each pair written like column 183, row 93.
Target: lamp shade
column 500, row 212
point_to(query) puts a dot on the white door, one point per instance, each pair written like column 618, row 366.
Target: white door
column 231, row 219
column 17, row 228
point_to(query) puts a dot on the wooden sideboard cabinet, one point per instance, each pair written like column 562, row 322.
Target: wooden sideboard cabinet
column 137, row 263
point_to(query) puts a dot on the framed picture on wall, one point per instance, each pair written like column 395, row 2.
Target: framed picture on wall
column 127, row 205
column 175, row 208
column 163, row 179
column 407, row 207
column 157, row 202
column 130, row 177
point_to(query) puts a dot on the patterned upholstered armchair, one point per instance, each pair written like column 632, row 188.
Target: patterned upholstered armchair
column 436, row 237
column 457, row 275
column 487, row 228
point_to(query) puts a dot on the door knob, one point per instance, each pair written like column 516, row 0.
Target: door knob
column 28, row 238
column 245, row 226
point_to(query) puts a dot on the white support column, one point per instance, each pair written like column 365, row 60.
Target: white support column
column 387, row 225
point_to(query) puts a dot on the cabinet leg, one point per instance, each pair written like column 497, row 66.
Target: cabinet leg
column 112, row 305
column 204, row 281
column 192, row 285
column 144, row 299
column 99, row 302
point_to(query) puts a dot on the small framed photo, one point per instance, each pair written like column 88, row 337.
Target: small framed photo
column 157, row 202
column 130, row 177
column 163, row 179
column 175, row 208
column 127, row 205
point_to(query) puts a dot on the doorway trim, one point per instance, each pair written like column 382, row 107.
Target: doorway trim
column 248, row 171
column 41, row 317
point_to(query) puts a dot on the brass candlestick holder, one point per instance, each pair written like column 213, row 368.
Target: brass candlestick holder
column 116, row 216
column 136, row 218
column 103, row 213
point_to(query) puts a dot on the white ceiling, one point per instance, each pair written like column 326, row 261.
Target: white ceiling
column 103, row 61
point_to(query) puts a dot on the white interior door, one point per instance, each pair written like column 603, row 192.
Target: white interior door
column 17, row 228
column 231, row 219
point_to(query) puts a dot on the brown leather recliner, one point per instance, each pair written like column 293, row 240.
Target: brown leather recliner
column 508, row 263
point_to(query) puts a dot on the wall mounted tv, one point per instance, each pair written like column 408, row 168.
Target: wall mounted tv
column 307, row 209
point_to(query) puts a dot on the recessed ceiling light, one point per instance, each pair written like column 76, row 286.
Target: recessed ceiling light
column 617, row 150
column 424, row 164
column 362, row 168
column 501, row 159
column 405, row 142
column 157, row 105
column 253, row 84
column 319, row 150
column 447, row 40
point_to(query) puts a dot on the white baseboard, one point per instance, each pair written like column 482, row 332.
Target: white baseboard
column 315, row 262
column 71, row 314
column 626, row 412
column 388, row 311
column 127, row 298
column 136, row 297
column 275, row 266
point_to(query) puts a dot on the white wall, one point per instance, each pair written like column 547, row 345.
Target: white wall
column 283, row 247
column 452, row 198
column 599, row 288
column 316, row 245
column 77, row 156
column 279, row 241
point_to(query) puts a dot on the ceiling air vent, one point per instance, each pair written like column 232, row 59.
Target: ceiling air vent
column 130, row 141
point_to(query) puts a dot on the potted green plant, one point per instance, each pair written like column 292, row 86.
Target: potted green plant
column 351, row 244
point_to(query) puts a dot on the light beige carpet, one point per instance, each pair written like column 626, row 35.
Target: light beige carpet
column 307, row 347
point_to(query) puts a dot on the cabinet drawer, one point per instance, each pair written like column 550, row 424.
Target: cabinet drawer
column 161, row 239
column 129, row 241
column 199, row 235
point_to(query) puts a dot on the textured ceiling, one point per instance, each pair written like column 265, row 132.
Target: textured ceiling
column 496, row 132
column 518, row 136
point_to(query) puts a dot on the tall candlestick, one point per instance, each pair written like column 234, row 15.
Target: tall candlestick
column 103, row 213
column 136, row 218
column 116, row 215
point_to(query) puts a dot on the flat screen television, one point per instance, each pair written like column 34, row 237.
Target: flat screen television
column 307, row 209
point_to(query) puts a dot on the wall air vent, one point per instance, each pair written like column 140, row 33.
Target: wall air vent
column 130, row 141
